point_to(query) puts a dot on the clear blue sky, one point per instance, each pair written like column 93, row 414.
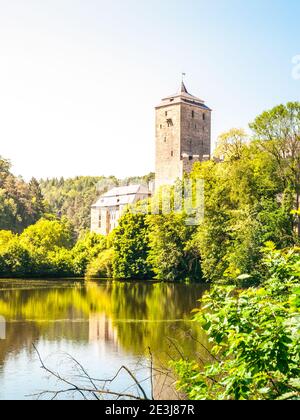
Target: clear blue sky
column 79, row 79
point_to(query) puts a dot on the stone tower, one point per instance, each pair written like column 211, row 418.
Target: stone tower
column 183, row 135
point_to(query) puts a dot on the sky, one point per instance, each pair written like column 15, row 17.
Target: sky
column 79, row 79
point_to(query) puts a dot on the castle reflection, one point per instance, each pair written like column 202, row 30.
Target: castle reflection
column 117, row 318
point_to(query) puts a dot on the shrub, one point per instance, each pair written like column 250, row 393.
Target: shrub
column 256, row 351
column 173, row 254
column 88, row 247
column 102, row 265
column 15, row 260
column 47, row 235
column 131, row 246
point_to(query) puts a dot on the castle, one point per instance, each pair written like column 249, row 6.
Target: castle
column 183, row 137
column 106, row 213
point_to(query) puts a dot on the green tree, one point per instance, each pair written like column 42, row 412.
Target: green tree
column 246, row 204
column 278, row 133
column 231, row 144
column 5, row 167
column 15, row 259
column 86, row 250
column 47, row 235
column 102, row 265
column 131, row 246
column 37, row 199
column 20, row 203
column 255, row 336
column 173, row 255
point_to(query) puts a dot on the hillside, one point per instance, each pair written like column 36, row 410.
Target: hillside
column 21, row 203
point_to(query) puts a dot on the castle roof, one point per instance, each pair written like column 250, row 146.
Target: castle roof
column 183, row 88
column 183, row 96
column 121, row 196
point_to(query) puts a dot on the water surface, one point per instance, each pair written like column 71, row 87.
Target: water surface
column 103, row 325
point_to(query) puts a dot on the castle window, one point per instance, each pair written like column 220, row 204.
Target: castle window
column 160, row 126
column 203, row 117
column 165, row 139
column 166, row 113
column 172, row 153
column 193, row 114
column 100, row 221
column 170, row 122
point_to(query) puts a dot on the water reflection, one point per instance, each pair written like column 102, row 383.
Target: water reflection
column 121, row 319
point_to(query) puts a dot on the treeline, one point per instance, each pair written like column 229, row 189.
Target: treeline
column 48, row 249
column 21, row 203
column 44, row 225
column 24, row 203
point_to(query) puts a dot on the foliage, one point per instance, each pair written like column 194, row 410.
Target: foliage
column 131, row 246
column 102, row 265
column 246, row 204
column 48, row 235
column 173, row 255
column 15, row 259
column 48, row 249
column 87, row 249
column 72, row 198
column 255, row 337
column 21, row 203
column 278, row 133
column 230, row 145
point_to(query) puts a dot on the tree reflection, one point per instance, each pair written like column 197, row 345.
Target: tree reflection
column 135, row 316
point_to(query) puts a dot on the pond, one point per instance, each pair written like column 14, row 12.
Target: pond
column 103, row 326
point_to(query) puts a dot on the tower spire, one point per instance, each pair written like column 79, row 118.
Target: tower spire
column 183, row 88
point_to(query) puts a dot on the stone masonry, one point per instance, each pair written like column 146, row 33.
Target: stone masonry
column 183, row 136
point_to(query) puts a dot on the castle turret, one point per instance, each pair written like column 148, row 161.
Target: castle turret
column 183, row 135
